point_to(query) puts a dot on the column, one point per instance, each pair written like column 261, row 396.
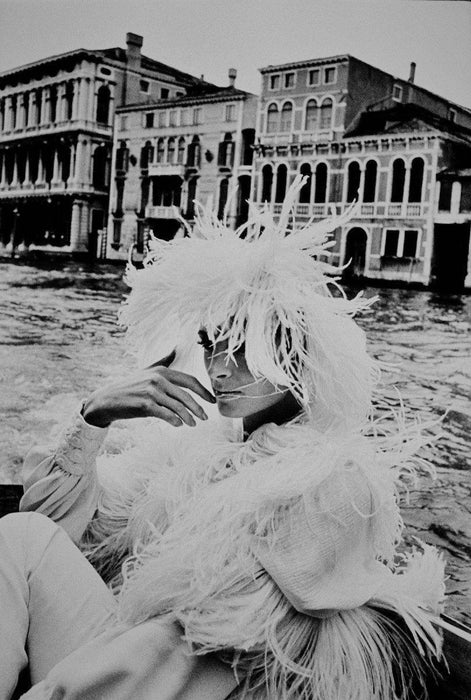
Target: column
column 75, row 226
column 91, row 101
column 84, row 226
column 83, row 104
column 405, row 196
column 40, row 178
column 3, row 176
column 45, row 106
column 361, row 186
column 78, row 164
column 27, row 180
column 14, row 181
column 86, row 163
column 7, row 126
column 75, row 103
column 55, row 172
column 31, row 108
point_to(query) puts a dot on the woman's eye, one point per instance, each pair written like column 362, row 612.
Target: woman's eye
column 207, row 345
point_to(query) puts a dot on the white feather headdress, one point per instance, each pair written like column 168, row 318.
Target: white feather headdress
column 266, row 285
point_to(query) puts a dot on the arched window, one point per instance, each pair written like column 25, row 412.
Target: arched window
column 310, row 122
column 21, row 164
column 369, row 190
column 147, row 155
column 171, row 150
column 53, row 103
column 398, row 180
column 353, row 181
column 100, row 162
column 160, row 150
column 33, row 164
column 281, row 181
column 181, row 150
column 267, row 181
column 103, row 105
column 286, row 117
column 194, row 153
column 320, row 191
column 416, row 180
column 39, row 100
column 48, row 164
column 69, row 99
column 272, row 118
column 305, row 191
column 226, row 151
column 223, row 190
column 325, row 121
column 122, row 157
column 190, row 209
column 25, row 109
column 64, row 158
column 14, row 111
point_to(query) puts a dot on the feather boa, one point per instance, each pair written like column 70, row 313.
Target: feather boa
column 196, row 513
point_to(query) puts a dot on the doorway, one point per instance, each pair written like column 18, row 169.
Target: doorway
column 355, row 253
column 450, row 256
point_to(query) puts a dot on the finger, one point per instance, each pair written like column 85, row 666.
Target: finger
column 190, row 382
column 185, row 398
column 167, row 415
column 178, row 408
column 165, row 361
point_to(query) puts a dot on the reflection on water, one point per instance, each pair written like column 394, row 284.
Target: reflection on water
column 59, row 339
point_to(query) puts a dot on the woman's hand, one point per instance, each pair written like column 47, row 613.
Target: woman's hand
column 155, row 391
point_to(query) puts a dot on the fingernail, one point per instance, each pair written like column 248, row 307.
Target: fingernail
column 204, row 416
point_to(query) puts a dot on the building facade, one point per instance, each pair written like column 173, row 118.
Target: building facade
column 359, row 134
column 176, row 151
column 56, row 133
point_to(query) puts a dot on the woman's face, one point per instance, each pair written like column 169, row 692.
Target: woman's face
column 238, row 394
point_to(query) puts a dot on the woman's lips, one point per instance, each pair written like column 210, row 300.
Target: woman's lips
column 227, row 392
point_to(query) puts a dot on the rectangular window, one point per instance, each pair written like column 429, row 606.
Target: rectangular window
column 391, row 242
column 172, row 117
column 144, row 86
column 230, row 113
column 179, row 94
column 397, row 93
column 184, row 121
column 164, row 93
column 289, row 80
column 274, row 82
column 400, row 243
column 162, row 119
column 411, row 239
column 149, row 120
column 330, row 75
column 197, row 114
column 123, row 123
column 314, row 76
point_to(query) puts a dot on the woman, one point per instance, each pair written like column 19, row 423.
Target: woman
column 268, row 543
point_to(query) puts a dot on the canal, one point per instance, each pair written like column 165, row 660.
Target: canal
column 59, row 339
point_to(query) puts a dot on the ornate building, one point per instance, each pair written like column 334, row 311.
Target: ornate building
column 56, row 132
column 174, row 151
column 403, row 153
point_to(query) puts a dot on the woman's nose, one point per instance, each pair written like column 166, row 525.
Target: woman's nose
column 219, row 367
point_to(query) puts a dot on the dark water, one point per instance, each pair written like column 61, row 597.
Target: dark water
column 59, row 339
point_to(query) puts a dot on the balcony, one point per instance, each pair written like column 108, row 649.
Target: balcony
column 167, row 169
column 56, row 128
column 375, row 210
column 153, row 212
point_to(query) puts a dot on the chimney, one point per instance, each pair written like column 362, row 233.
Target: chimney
column 412, row 72
column 133, row 51
column 232, row 76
